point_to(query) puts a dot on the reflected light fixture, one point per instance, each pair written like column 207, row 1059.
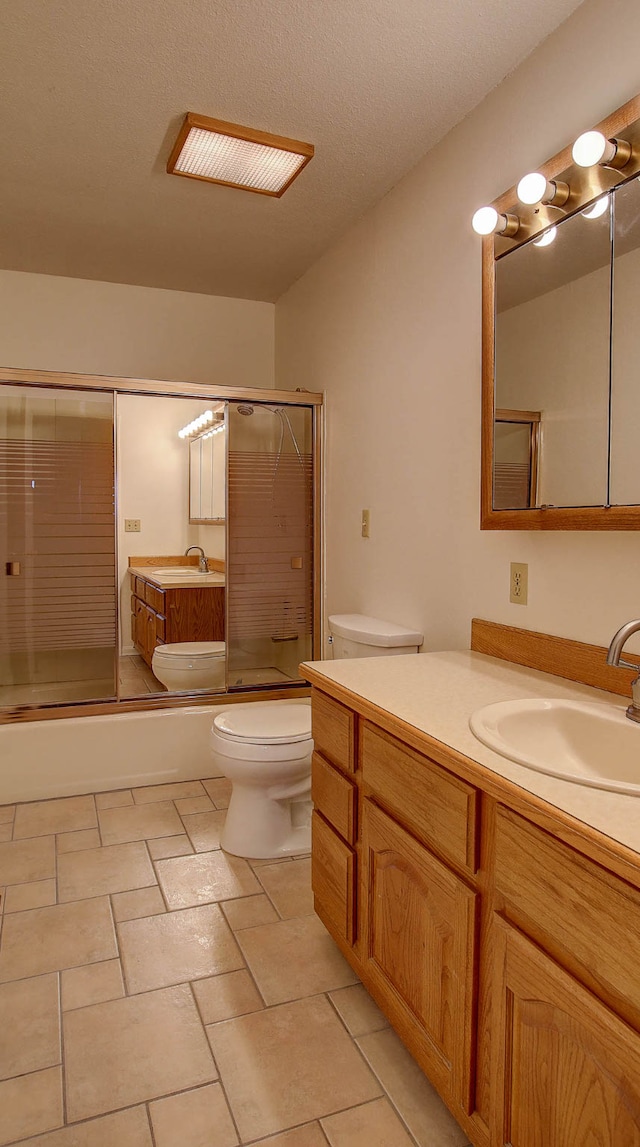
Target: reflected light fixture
column 597, row 209
column 200, row 424
column 236, row 156
column 592, row 147
column 536, row 188
column 547, row 238
column 487, row 221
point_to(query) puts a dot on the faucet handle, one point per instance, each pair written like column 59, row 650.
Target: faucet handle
column 628, row 665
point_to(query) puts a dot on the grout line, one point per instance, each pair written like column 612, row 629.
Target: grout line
column 63, row 1072
column 150, row 1122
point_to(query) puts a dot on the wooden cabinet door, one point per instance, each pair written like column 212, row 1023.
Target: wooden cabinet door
column 566, row 1068
column 418, row 919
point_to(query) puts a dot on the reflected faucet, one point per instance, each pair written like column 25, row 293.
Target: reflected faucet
column 618, row 641
column 202, row 561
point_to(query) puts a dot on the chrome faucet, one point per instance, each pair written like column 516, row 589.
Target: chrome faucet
column 618, row 641
column 202, row 562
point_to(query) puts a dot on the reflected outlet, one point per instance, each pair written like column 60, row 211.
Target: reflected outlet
column 519, row 583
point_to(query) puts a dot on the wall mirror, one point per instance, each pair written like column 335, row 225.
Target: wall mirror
column 106, row 574
column 561, row 407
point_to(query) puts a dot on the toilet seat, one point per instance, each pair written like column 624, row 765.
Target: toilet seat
column 190, row 654
column 263, row 731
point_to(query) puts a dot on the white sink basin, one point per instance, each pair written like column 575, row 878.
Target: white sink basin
column 585, row 742
column 180, row 571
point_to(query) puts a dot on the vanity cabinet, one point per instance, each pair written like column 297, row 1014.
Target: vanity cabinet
column 160, row 616
column 503, row 952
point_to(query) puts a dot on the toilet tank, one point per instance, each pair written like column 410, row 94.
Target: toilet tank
column 354, row 635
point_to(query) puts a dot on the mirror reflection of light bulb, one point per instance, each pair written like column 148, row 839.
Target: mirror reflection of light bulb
column 598, row 208
column 592, row 147
column 547, row 238
column 532, row 187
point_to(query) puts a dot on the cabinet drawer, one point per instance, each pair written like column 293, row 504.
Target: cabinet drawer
column 138, row 586
column 334, row 731
column 154, row 597
column 160, row 628
column 334, row 796
column 439, row 808
column 585, row 916
column 333, row 878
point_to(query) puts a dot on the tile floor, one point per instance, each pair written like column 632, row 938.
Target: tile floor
column 156, row 992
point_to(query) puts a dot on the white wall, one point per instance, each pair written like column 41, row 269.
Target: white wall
column 389, row 323
column 53, row 323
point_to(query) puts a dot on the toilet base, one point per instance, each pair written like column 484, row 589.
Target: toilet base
column 260, row 828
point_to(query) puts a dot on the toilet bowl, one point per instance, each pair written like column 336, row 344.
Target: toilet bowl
column 264, row 748
column 187, row 665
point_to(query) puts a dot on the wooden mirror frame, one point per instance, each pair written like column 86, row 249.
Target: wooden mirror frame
column 152, row 387
column 586, row 185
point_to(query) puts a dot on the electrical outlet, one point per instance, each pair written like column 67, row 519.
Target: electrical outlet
column 519, row 583
column 366, row 523
column 132, row 525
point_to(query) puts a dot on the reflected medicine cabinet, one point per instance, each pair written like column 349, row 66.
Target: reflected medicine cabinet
column 561, row 348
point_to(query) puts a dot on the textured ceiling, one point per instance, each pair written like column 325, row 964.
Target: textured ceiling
column 94, row 93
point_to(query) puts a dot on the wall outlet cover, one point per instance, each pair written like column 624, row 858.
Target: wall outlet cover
column 132, row 525
column 519, row 583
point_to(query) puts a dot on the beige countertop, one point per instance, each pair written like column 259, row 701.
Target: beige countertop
column 177, row 580
column 436, row 693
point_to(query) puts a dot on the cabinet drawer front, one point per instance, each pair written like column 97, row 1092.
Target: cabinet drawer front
column 332, row 878
column 438, row 807
column 160, row 627
column 138, row 586
column 334, row 731
column 582, row 914
column 334, row 796
column 154, row 597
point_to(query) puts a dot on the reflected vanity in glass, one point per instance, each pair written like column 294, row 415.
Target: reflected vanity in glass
column 560, row 348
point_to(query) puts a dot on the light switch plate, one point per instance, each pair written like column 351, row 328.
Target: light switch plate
column 366, row 523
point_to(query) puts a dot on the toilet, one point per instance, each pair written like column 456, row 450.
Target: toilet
column 186, row 665
column 264, row 748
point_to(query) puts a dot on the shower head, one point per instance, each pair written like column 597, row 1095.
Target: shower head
column 244, row 408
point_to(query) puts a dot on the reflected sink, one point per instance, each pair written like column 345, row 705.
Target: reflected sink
column 588, row 743
column 180, row 571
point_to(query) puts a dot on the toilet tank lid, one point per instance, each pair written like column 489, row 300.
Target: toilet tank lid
column 258, row 725
column 372, row 630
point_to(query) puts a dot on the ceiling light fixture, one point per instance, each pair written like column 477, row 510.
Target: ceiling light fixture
column 536, row 188
column 220, row 152
column 487, row 221
column 592, row 147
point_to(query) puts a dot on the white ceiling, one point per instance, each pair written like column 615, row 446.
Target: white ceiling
column 95, row 90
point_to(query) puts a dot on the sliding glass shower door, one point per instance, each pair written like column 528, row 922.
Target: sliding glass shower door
column 57, row 546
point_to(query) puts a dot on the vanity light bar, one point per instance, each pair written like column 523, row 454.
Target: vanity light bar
column 199, row 424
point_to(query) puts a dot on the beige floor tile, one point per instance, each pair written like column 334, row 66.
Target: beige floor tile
column 6, row 831
column 313, row 963
column 131, row 1050
column 36, row 894
column 48, row 939
column 135, row 905
column 418, row 1103
column 171, row 792
column 29, row 1026
column 140, row 822
column 226, row 996
column 249, row 911
column 69, row 814
column 302, row 1041
column 308, row 1136
column 176, row 947
column 358, row 1011
column 91, row 984
column 219, row 790
column 194, row 804
column 203, row 878
column 123, row 1129
column 23, row 860
column 30, row 1104
column 193, row 1119
column 372, row 1125
column 118, row 799
column 99, row 871
column 289, row 887
column 204, row 829
column 76, row 841
column 7, row 813
column 166, row 846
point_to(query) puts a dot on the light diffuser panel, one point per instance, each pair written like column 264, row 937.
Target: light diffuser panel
column 237, row 156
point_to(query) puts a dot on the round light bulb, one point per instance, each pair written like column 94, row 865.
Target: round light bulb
column 592, row 147
column 598, row 208
column 531, row 188
column 547, row 238
column 485, row 221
